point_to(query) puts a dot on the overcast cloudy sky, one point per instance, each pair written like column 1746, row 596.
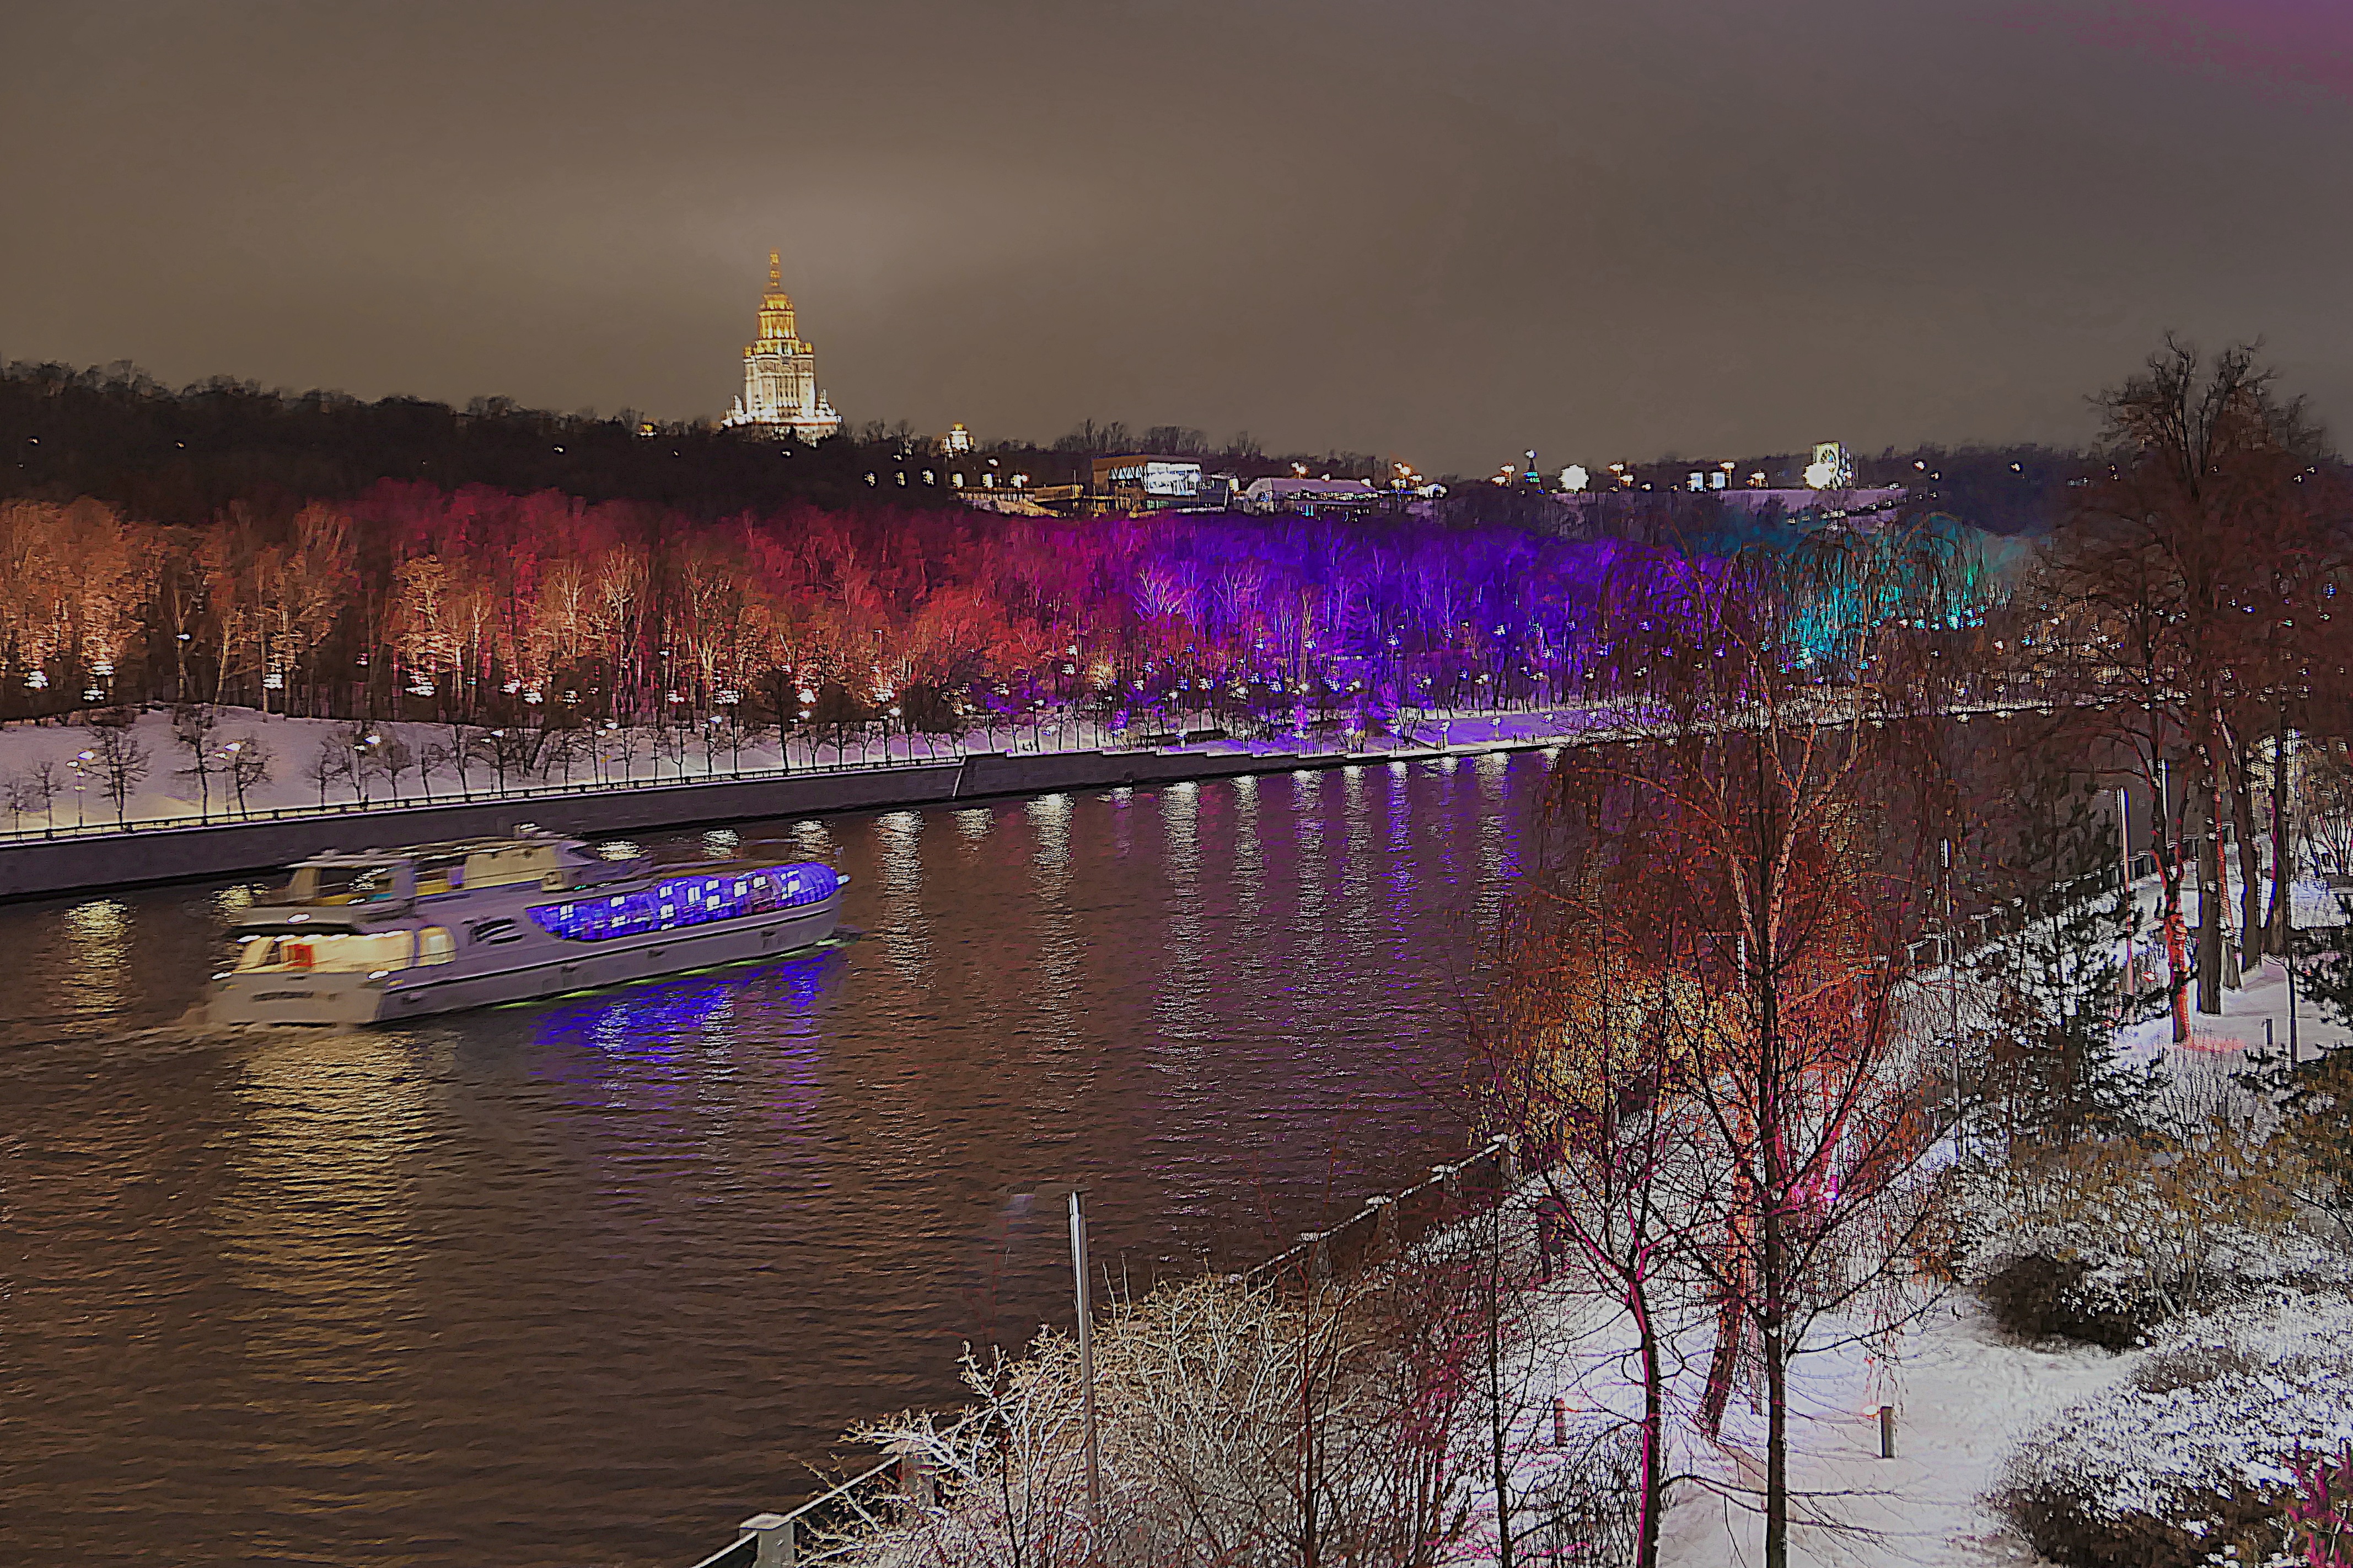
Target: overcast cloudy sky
column 1445, row 231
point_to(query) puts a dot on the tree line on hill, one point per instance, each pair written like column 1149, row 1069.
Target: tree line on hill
column 116, row 435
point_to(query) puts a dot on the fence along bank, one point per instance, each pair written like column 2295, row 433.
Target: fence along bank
column 32, row 867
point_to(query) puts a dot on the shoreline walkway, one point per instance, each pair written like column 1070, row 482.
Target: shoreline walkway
column 35, row 863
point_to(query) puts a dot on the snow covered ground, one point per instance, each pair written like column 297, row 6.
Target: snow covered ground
column 170, row 791
column 1965, row 1395
column 2261, row 999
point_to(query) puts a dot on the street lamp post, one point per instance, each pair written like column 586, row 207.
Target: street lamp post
column 1087, row 1374
column 1953, row 984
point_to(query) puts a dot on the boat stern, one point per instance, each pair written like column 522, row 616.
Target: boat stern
column 316, row 999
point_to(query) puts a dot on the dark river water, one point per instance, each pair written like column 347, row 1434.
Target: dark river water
column 586, row 1281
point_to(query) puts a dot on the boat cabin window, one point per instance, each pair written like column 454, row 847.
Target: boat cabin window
column 335, row 952
column 505, row 867
column 357, row 884
column 441, row 874
column 434, row 946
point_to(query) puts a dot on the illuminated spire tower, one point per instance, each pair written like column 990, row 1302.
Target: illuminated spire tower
column 780, row 390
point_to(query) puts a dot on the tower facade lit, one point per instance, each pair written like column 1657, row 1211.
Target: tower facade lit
column 780, row 390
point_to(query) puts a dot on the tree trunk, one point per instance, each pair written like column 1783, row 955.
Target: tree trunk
column 2177, row 960
column 2282, row 835
column 2210, row 900
column 1653, row 1502
column 2251, row 869
column 2167, row 846
column 1499, row 1421
column 1729, row 1323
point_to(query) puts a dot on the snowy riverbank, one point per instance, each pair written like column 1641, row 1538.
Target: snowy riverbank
column 71, row 778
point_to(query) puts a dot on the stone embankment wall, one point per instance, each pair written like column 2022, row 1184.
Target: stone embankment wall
column 31, row 867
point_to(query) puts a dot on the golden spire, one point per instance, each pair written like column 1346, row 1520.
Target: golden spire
column 776, row 305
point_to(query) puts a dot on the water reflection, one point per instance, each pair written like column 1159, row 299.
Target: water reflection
column 662, row 1019
column 320, row 1207
column 1184, row 987
column 97, row 953
column 1060, row 937
column 905, row 931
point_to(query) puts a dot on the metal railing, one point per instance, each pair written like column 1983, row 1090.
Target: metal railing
column 1974, row 933
column 815, row 1531
column 1391, row 1221
column 494, row 796
column 233, row 817
column 810, row 1533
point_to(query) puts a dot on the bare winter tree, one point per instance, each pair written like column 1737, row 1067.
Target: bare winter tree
column 390, row 756
column 459, row 751
column 1589, row 1054
column 1778, row 833
column 331, row 761
column 669, row 742
column 508, row 749
column 2181, row 613
column 32, row 789
column 121, row 760
column 250, row 762
column 194, row 727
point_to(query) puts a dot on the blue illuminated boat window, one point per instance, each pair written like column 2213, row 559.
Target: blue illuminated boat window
column 705, row 901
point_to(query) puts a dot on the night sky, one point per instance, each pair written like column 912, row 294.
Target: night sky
column 1440, row 231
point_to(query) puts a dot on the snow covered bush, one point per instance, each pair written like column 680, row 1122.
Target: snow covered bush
column 2192, row 1460
column 1587, row 1507
column 2101, row 1240
column 2320, row 1513
column 2039, row 1297
column 1239, row 1424
column 2317, row 1096
column 1402, row 1411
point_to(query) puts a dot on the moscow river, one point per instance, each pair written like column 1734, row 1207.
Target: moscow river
column 588, row 1280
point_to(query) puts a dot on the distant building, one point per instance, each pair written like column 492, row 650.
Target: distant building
column 1062, row 501
column 1311, row 496
column 1140, row 482
column 1831, row 469
column 1638, row 514
column 1013, row 503
column 957, row 441
column 1870, row 499
column 780, row 391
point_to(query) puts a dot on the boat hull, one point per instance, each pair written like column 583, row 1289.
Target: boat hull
column 522, row 972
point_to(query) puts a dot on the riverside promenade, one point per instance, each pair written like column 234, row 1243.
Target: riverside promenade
column 67, row 861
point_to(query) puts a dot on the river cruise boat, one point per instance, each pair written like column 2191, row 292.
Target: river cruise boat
column 382, row 935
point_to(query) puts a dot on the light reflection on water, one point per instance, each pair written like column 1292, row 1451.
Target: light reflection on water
column 590, row 1279
column 97, row 950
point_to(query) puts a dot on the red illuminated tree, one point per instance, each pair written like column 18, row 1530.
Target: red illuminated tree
column 1762, row 849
